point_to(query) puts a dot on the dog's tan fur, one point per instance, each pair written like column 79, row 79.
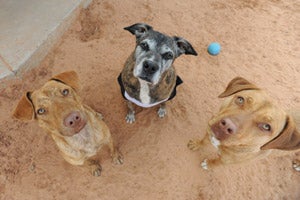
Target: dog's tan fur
column 250, row 140
column 76, row 148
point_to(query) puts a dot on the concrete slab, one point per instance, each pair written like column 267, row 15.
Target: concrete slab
column 30, row 28
column 4, row 72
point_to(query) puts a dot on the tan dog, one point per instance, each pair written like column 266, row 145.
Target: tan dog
column 248, row 125
column 78, row 130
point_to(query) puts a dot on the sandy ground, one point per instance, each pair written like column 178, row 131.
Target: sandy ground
column 260, row 41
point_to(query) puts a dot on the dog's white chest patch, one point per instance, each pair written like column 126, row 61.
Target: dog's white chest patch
column 214, row 141
column 144, row 92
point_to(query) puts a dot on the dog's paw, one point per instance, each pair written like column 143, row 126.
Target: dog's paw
column 97, row 170
column 130, row 118
column 204, row 164
column 194, row 145
column 296, row 165
column 162, row 112
column 117, row 159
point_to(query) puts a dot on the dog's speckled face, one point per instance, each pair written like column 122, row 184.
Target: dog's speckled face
column 248, row 117
column 155, row 52
column 58, row 107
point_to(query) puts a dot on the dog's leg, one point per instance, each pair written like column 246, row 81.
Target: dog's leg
column 116, row 156
column 94, row 166
column 195, row 144
column 162, row 111
column 130, row 117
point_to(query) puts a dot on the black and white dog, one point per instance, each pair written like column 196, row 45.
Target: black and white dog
column 149, row 77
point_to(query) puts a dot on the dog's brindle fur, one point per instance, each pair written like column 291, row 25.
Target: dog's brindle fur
column 155, row 52
column 158, row 92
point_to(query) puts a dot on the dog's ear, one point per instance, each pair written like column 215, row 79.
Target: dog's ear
column 69, row 78
column 139, row 29
column 236, row 85
column 184, row 47
column 288, row 139
column 25, row 108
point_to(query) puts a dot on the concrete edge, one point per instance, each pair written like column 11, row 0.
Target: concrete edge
column 52, row 40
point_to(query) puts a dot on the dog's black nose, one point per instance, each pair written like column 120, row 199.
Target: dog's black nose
column 149, row 67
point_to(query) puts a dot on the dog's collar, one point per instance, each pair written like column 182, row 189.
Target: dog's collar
column 137, row 102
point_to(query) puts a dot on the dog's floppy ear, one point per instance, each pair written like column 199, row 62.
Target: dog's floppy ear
column 184, row 47
column 24, row 109
column 69, row 78
column 236, row 85
column 288, row 139
column 139, row 29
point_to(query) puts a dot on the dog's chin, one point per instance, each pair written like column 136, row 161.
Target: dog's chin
column 146, row 79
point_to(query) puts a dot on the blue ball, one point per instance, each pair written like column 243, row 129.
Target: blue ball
column 214, row 48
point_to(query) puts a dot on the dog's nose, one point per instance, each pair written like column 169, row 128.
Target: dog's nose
column 227, row 126
column 149, row 67
column 72, row 120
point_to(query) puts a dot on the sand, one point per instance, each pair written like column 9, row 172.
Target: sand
column 260, row 42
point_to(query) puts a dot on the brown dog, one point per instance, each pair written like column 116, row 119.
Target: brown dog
column 78, row 130
column 248, row 125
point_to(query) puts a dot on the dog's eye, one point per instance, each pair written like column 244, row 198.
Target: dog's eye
column 41, row 111
column 167, row 56
column 265, row 127
column 240, row 100
column 144, row 46
column 65, row 92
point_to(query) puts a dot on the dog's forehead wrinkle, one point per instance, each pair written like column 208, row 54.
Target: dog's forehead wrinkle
column 160, row 39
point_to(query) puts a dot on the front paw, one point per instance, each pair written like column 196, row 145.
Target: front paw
column 204, row 164
column 296, row 165
column 96, row 170
column 194, row 144
column 117, row 159
column 162, row 112
column 130, row 118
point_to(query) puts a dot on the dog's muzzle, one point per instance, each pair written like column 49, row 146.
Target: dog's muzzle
column 148, row 70
column 224, row 128
column 75, row 122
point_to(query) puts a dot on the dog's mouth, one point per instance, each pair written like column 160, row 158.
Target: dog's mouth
column 147, row 79
column 218, row 133
column 76, row 130
column 80, row 126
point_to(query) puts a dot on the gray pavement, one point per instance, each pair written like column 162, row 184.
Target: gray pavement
column 30, row 28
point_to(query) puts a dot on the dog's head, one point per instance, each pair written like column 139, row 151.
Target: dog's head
column 155, row 52
column 248, row 117
column 55, row 106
